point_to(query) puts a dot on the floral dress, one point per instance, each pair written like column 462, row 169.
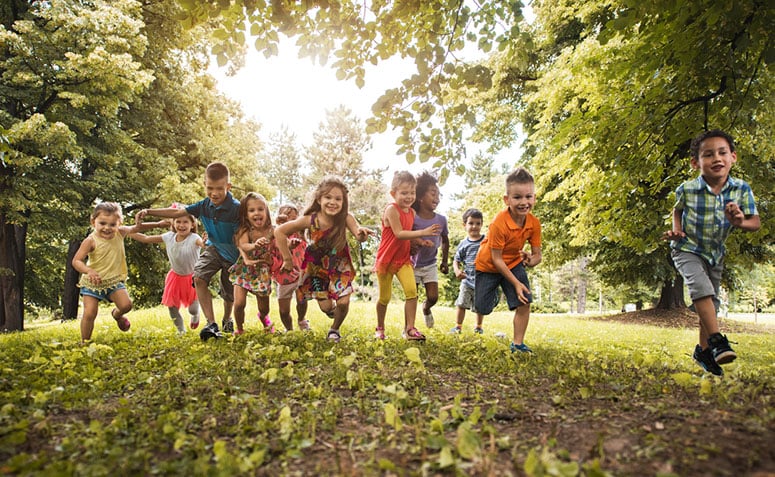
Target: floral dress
column 329, row 272
column 255, row 278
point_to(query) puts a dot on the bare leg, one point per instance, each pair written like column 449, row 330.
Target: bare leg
column 410, row 313
column 342, row 307
column 90, row 308
column 431, row 296
column 205, row 299
column 521, row 318
column 284, row 307
column 708, row 320
column 381, row 312
column 240, row 301
column 461, row 316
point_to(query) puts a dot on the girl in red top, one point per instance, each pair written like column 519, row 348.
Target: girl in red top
column 393, row 254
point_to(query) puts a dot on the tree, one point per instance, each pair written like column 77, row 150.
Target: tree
column 281, row 165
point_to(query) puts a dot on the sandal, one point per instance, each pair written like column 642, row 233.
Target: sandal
column 334, row 336
column 122, row 321
column 379, row 333
column 268, row 326
column 413, row 334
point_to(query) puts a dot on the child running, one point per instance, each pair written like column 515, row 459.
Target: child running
column 393, row 254
column 183, row 245
column 329, row 270
column 288, row 283
column 706, row 210
column 501, row 260
column 253, row 270
column 425, row 270
column 218, row 213
column 105, row 271
column 465, row 269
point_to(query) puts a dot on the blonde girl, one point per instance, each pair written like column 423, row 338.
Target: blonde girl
column 288, row 282
column 105, row 271
column 329, row 270
column 253, row 270
column 393, row 254
column 182, row 244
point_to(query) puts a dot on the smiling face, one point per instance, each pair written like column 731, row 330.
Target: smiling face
column 331, row 201
column 473, row 227
column 216, row 189
column 106, row 224
column 257, row 213
column 183, row 226
column 714, row 160
column 404, row 194
column 430, row 200
column 520, row 199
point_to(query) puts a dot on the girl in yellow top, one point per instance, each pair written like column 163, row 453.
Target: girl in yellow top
column 105, row 272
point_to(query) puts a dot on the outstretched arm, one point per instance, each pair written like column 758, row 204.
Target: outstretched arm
column 360, row 233
column 394, row 221
column 281, row 235
column 142, row 238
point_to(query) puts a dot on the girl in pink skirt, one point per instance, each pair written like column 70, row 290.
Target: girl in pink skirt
column 183, row 245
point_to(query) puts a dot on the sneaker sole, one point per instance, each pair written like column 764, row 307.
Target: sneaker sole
column 726, row 357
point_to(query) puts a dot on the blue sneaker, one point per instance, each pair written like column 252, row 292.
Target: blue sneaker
column 706, row 361
column 456, row 330
column 522, row 348
column 478, row 331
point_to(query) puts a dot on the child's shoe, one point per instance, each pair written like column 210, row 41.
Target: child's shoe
column 238, row 332
column 428, row 319
column 122, row 321
column 228, row 326
column 522, row 348
column 722, row 352
column 705, row 359
column 479, row 331
column 379, row 334
column 413, row 334
column 268, row 326
column 333, row 336
column 194, row 324
column 456, row 330
column 210, row 331
column 304, row 325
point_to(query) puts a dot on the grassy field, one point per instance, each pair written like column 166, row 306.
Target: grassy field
column 598, row 397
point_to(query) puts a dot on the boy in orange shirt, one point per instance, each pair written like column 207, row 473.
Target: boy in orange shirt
column 501, row 261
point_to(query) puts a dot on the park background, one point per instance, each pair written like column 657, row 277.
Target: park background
column 124, row 101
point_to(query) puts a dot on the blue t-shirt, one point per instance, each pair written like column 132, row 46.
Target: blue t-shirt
column 427, row 255
column 220, row 223
column 466, row 254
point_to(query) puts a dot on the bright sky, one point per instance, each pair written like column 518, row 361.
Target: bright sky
column 287, row 91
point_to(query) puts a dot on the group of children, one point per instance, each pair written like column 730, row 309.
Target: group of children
column 307, row 256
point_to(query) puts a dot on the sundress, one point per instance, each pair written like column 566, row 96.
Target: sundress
column 328, row 272
column 285, row 277
column 255, row 278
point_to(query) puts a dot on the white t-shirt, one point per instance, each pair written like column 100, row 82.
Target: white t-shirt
column 182, row 255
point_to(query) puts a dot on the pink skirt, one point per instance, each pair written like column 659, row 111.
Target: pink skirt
column 178, row 290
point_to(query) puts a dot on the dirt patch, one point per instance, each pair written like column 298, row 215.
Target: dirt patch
column 681, row 318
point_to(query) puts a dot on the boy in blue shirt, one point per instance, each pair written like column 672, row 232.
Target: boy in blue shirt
column 464, row 265
column 219, row 213
column 706, row 209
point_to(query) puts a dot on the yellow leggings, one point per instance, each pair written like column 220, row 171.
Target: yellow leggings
column 405, row 277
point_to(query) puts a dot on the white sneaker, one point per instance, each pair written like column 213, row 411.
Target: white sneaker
column 428, row 319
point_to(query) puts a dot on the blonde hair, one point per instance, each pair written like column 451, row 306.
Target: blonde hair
column 108, row 208
column 402, row 177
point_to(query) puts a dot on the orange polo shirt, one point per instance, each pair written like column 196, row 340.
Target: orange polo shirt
column 504, row 234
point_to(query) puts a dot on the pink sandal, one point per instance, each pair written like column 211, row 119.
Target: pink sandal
column 122, row 321
column 413, row 334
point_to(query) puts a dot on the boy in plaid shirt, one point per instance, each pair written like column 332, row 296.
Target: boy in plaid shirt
column 705, row 211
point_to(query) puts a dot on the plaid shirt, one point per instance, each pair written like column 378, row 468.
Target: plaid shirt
column 702, row 218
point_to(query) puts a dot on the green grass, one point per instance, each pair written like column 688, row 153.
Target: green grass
column 597, row 398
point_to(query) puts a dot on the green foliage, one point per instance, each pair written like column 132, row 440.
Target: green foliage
column 597, row 398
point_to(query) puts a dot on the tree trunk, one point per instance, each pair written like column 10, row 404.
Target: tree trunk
column 582, row 287
column 672, row 295
column 70, row 294
column 13, row 238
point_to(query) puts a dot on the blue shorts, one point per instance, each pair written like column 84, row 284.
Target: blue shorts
column 102, row 294
column 486, row 295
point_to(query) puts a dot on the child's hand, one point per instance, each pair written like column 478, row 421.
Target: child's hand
column 425, row 243
column 262, row 241
column 733, row 213
column 364, row 233
column 250, row 262
column 527, row 258
column 461, row 274
column 522, row 292
column 287, row 265
column 94, row 277
column 294, row 242
column 444, row 268
column 139, row 216
column 673, row 235
column 166, row 223
column 434, row 229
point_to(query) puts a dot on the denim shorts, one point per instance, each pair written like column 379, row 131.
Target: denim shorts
column 102, row 294
column 486, row 290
